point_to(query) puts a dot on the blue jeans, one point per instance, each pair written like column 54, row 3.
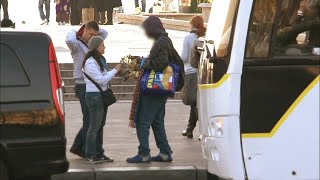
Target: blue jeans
column 80, row 142
column 47, row 7
column 151, row 114
column 98, row 114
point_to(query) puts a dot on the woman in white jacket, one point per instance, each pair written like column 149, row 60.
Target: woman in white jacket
column 95, row 67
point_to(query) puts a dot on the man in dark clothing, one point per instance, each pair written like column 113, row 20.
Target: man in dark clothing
column 4, row 5
column 75, row 17
column 44, row 17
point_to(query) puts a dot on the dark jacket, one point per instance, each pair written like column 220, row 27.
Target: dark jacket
column 159, row 54
column 162, row 53
column 86, row 4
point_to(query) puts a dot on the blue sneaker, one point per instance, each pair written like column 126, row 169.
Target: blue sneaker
column 162, row 158
column 139, row 159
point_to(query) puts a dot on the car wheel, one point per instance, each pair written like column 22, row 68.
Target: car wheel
column 3, row 171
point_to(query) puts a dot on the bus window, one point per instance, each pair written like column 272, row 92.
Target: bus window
column 219, row 32
column 260, row 29
column 298, row 30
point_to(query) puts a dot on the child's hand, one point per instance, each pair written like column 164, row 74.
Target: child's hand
column 131, row 124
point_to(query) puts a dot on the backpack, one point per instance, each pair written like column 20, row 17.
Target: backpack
column 180, row 63
column 195, row 53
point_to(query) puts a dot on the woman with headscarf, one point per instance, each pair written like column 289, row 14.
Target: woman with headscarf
column 149, row 110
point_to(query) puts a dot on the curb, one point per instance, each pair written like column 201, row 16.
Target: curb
column 135, row 173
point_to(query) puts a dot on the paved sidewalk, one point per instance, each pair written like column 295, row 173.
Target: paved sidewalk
column 120, row 141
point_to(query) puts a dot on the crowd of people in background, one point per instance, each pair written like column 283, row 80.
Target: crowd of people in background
column 78, row 12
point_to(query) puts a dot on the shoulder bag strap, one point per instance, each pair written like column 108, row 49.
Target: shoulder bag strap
column 96, row 84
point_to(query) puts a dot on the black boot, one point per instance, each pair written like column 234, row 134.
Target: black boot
column 188, row 134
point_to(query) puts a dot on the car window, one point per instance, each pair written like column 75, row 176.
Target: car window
column 11, row 70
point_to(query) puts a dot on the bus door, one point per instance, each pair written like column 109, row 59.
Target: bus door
column 280, row 91
column 219, row 87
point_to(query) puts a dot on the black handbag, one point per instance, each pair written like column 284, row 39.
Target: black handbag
column 107, row 95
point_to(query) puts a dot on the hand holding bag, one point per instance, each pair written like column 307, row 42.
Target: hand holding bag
column 107, row 95
column 160, row 82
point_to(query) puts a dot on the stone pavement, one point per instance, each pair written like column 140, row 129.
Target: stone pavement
column 121, row 142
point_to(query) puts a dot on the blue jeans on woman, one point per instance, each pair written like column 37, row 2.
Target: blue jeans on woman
column 151, row 114
column 98, row 114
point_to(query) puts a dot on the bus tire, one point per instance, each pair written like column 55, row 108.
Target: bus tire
column 4, row 175
column 212, row 176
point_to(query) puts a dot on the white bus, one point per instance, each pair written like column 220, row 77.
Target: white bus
column 258, row 92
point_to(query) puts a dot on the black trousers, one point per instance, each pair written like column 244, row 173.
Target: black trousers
column 143, row 3
column 193, row 118
column 4, row 5
column 75, row 17
column 110, row 14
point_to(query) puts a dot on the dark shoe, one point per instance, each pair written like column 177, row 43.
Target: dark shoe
column 162, row 158
column 95, row 160
column 188, row 134
column 139, row 159
column 105, row 158
column 108, row 23
column 77, row 152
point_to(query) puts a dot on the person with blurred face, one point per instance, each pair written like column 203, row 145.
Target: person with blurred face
column 77, row 42
column 150, row 110
column 95, row 67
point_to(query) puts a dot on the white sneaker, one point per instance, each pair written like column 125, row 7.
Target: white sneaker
column 44, row 22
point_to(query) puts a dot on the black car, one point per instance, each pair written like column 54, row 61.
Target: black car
column 32, row 128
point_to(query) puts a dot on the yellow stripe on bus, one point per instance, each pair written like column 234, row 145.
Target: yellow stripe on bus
column 285, row 116
column 215, row 85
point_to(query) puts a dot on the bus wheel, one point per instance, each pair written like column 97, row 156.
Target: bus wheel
column 3, row 171
column 212, row 176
